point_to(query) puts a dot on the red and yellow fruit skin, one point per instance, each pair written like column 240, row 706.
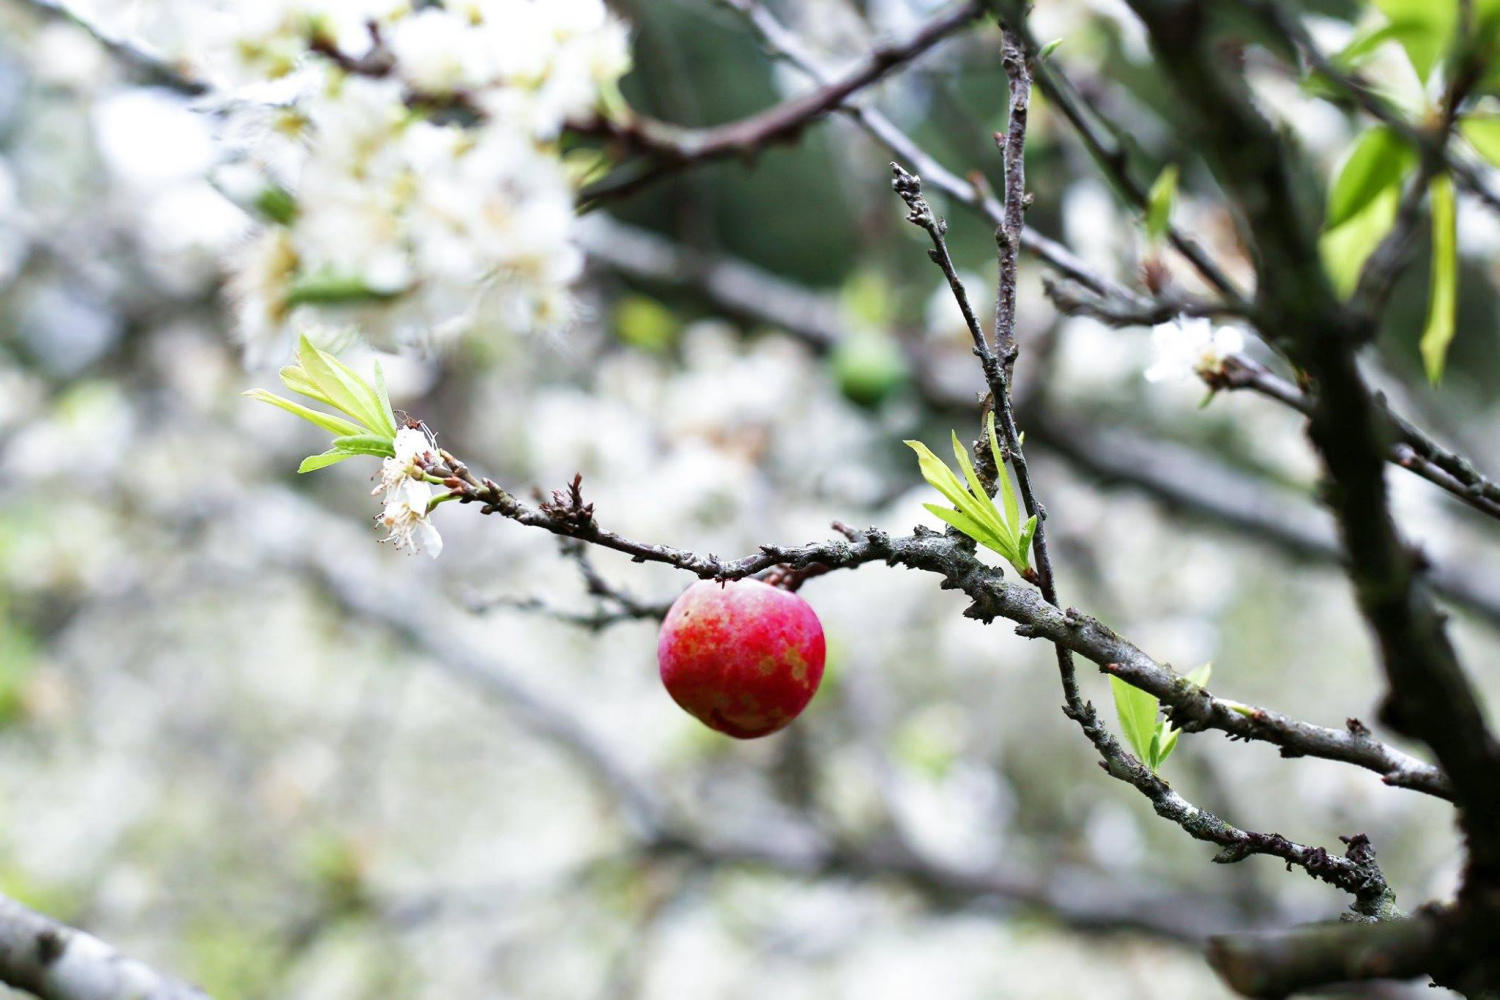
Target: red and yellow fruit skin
column 744, row 658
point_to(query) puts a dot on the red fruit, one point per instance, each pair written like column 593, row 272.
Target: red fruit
column 744, row 658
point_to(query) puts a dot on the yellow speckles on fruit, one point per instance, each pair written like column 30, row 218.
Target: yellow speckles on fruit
column 798, row 664
column 767, row 665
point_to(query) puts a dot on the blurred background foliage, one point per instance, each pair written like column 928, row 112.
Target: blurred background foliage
column 239, row 739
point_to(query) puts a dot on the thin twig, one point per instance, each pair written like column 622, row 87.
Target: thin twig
column 673, row 148
column 1177, row 476
column 785, row 45
column 1109, row 152
column 1361, row 878
column 1430, row 696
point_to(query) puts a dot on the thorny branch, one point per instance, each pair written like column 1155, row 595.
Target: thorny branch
column 993, row 597
column 1080, row 898
column 568, row 514
column 1361, row 877
column 1179, row 477
column 1430, row 697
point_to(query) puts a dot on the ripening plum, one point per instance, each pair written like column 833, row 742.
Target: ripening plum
column 744, row 658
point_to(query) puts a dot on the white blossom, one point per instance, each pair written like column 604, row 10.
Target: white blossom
column 263, row 270
column 405, row 518
column 1187, row 349
column 411, row 222
column 407, row 495
column 439, row 54
column 410, row 445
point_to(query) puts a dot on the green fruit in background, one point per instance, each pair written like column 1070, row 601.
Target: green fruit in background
column 868, row 366
column 645, row 323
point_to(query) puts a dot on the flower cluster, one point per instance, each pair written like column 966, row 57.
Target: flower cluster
column 405, row 159
column 408, row 496
column 363, row 423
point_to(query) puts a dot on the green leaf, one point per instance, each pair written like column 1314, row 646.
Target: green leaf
column 1363, row 46
column 312, row 463
column 1442, row 296
column 1159, row 202
column 1166, row 743
column 938, row 475
column 277, row 204
column 1048, row 49
column 327, row 421
column 1344, row 250
column 364, row 444
column 1201, row 675
column 983, row 510
column 343, row 386
column 963, row 522
column 1007, row 492
column 335, row 290
column 384, row 399
column 1023, row 543
column 295, row 379
column 1137, row 712
column 1424, row 28
column 1376, row 164
column 976, row 514
column 1483, row 133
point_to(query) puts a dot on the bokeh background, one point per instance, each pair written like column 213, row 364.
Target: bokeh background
column 243, row 741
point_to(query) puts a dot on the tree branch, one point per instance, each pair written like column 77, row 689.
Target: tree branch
column 1109, row 152
column 1433, row 143
column 1356, row 874
column 1171, row 474
column 1080, row 898
column 785, row 45
column 674, row 148
column 1279, row 964
column 56, row 962
column 1430, row 696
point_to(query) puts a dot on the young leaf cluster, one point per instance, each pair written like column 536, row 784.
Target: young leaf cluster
column 367, row 425
column 974, row 511
column 1152, row 739
column 1364, row 197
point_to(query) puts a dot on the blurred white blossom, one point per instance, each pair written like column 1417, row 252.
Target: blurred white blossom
column 415, row 193
column 1188, row 348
